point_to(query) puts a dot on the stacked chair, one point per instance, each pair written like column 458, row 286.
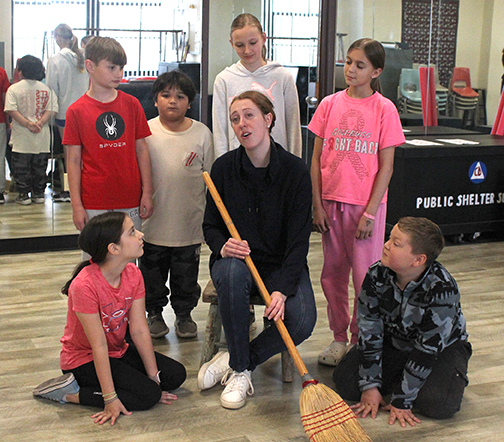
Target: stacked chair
column 410, row 100
column 441, row 94
column 463, row 98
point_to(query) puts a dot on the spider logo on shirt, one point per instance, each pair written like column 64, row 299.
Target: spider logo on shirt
column 110, row 129
column 110, row 126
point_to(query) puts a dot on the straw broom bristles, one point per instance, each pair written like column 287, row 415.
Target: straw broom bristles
column 327, row 418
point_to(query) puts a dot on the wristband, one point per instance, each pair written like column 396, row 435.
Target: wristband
column 368, row 216
column 109, row 395
column 156, row 378
column 112, row 399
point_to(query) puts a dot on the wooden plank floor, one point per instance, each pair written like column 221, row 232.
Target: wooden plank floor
column 32, row 317
column 35, row 219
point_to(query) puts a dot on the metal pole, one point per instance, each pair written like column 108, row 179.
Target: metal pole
column 327, row 47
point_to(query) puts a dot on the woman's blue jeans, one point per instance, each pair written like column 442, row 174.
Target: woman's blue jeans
column 234, row 284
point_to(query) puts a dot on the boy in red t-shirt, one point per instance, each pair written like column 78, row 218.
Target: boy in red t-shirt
column 109, row 166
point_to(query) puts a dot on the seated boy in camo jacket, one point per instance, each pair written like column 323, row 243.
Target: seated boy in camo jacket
column 413, row 342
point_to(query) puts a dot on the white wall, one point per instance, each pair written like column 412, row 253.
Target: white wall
column 480, row 40
column 5, row 33
column 495, row 68
column 383, row 20
column 470, row 43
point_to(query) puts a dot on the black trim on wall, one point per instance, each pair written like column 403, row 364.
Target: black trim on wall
column 37, row 244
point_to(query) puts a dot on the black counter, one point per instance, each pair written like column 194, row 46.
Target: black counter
column 420, row 131
column 417, row 120
column 440, row 183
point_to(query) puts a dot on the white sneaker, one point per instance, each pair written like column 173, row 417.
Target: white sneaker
column 238, row 385
column 213, row 371
column 333, row 354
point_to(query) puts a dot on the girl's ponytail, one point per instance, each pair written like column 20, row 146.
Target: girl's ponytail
column 76, row 271
column 72, row 43
column 78, row 51
column 98, row 233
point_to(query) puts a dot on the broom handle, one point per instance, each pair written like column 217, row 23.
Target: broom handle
column 255, row 274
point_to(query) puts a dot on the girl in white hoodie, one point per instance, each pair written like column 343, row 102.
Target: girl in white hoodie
column 254, row 72
column 66, row 74
column 67, row 77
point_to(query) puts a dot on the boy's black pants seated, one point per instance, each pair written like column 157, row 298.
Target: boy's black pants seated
column 441, row 395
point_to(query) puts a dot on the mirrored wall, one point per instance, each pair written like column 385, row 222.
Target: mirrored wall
column 436, row 30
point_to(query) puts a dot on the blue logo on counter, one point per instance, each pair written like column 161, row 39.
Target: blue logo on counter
column 477, row 172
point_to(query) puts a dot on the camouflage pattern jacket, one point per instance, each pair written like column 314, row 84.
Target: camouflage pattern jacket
column 422, row 320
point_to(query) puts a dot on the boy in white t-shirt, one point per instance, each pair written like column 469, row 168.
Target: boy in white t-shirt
column 31, row 104
column 180, row 149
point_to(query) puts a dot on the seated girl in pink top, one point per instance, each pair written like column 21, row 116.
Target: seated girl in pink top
column 106, row 295
column 356, row 132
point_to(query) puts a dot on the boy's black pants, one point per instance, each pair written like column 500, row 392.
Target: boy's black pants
column 182, row 266
column 29, row 170
column 441, row 395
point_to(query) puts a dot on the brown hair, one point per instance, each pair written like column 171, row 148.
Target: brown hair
column 375, row 54
column 71, row 42
column 105, row 48
column 261, row 101
column 246, row 19
column 94, row 239
column 425, row 237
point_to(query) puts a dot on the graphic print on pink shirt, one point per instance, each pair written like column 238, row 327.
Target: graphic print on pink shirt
column 113, row 320
column 348, row 148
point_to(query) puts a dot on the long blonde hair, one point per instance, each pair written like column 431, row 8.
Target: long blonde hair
column 71, row 42
column 246, row 19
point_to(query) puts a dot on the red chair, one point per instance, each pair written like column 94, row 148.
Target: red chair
column 461, row 83
column 464, row 98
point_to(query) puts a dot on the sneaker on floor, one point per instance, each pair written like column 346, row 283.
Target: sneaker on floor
column 62, row 197
column 185, row 327
column 23, row 199
column 2, row 198
column 238, row 386
column 38, row 198
column 333, row 354
column 213, row 371
column 56, row 389
column 157, row 325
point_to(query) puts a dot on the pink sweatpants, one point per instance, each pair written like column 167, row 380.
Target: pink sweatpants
column 342, row 253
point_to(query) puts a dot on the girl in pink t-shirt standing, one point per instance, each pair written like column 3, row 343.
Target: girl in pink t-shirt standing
column 106, row 295
column 356, row 132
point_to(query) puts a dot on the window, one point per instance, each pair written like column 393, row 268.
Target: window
column 292, row 29
column 144, row 29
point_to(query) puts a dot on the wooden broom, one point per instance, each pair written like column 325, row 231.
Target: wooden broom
column 325, row 416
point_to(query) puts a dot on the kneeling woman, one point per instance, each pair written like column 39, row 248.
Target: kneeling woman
column 267, row 192
column 106, row 294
